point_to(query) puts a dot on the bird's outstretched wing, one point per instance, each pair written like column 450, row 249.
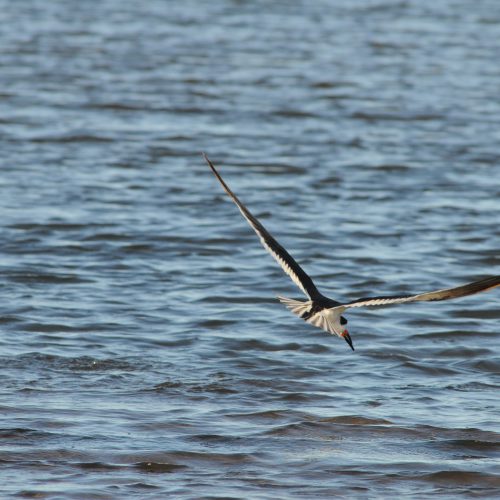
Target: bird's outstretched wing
column 445, row 294
column 284, row 259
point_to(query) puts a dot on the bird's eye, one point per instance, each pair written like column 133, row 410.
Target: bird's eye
column 343, row 321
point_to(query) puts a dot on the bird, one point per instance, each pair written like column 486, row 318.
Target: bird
column 324, row 312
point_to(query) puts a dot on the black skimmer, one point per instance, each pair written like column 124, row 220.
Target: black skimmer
column 326, row 313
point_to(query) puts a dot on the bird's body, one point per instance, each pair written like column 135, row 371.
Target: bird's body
column 326, row 313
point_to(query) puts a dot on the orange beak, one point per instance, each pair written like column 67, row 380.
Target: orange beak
column 347, row 338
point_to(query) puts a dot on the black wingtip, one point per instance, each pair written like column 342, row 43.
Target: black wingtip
column 205, row 157
column 211, row 165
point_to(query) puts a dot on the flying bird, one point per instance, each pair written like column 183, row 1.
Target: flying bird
column 326, row 313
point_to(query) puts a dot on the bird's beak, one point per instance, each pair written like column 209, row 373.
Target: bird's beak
column 347, row 338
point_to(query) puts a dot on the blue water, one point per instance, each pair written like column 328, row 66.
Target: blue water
column 143, row 353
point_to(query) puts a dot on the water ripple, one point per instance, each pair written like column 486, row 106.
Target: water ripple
column 143, row 351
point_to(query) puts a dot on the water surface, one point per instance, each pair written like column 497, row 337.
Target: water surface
column 143, row 353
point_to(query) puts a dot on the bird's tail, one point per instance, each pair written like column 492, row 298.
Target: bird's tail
column 296, row 306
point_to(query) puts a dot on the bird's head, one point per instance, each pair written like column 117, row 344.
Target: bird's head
column 344, row 333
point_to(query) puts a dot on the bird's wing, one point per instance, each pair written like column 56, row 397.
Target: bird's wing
column 445, row 294
column 284, row 259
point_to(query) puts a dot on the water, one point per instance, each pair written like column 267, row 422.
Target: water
column 143, row 352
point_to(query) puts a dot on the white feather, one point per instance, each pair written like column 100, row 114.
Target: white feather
column 298, row 307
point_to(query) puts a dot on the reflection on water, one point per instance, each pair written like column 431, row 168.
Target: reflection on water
column 143, row 352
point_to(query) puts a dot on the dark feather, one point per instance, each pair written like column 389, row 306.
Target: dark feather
column 445, row 294
column 287, row 262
